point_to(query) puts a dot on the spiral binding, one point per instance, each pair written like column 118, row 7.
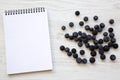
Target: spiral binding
column 25, row 11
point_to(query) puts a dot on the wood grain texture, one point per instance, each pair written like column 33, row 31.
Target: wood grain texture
column 61, row 12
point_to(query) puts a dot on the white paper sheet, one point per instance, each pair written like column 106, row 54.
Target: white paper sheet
column 27, row 42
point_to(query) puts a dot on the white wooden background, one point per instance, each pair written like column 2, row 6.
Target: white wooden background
column 61, row 12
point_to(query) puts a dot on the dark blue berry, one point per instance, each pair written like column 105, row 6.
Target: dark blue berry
column 78, row 60
column 102, row 57
column 77, row 13
column 93, row 53
column 112, row 57
column 92, row 47
column 63, row 28
column 113, row 40
column 85, row 19
column 106, row 39
column 75, row 55
column 73, row 50
column 110, row 30
column 101, row 52
column 94, row 32
column 66, row 35
column 95, row 41
column 102, row 25
column 111, row 21
column 75, row 34
column 71, row 37
column 87, row 27
column 106, row 48
column 95, row 18
column 81, row 23
column 67, row 49
column 105, row 34
column 71, row 24
column 82, row 52
column 69, row 53
column 80, row 44
column 87, row 45
column 110, row 44
column 96, row 27
column 62, row 47
column 92, row 60
column 100, row 41
column 111, row 35
column 115, row 46
column 84, row 60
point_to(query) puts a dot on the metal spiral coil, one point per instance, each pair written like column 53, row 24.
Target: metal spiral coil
column 24, row 11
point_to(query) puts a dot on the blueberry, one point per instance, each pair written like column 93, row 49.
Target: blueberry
column 75, row 55
column 85, row 40
column 105, row 34
column 102, row 57
column 76, row 39
column 87, row 27
column 77, row 13
column 84, row 35
column 73, row 50
column 96, row 46
column 78, row 60
column 100, row 41
column 81, row 23
column 63, row 28
column 96, row 27
column 62, row 47
column 110, row 30
column 111, row 35
column 89, row 37
column 82, row 52
column 67, row 49
column 69, row 53
column 102, row 25
column 87, row 45
column 100, row 30
column 101, row 47
column 94, row 32
column 71, row 37
column 66, row 35
column 92, row 60
column 80, row 44
column 113, row 40
column 92, row 47
column 84, row 60
column 111, row 21
column 95, row 18
column 95, row 41
column 71, row 24
column 93, row 53
column 93, row 37
column 106, row 39
column 106, row 48
column 101, row 52
column 115, row 46
column 85, row 19
column 110, row 44
column 80, row 39
column 75, row 34
column 91, row 29
column 112, row 57
column 80, row 33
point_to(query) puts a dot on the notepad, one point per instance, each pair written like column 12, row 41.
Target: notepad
column 27, row 40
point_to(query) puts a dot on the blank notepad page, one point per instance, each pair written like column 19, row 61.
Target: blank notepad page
column 27, row 40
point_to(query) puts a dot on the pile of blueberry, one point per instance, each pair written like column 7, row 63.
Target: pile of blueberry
column 99, row 46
